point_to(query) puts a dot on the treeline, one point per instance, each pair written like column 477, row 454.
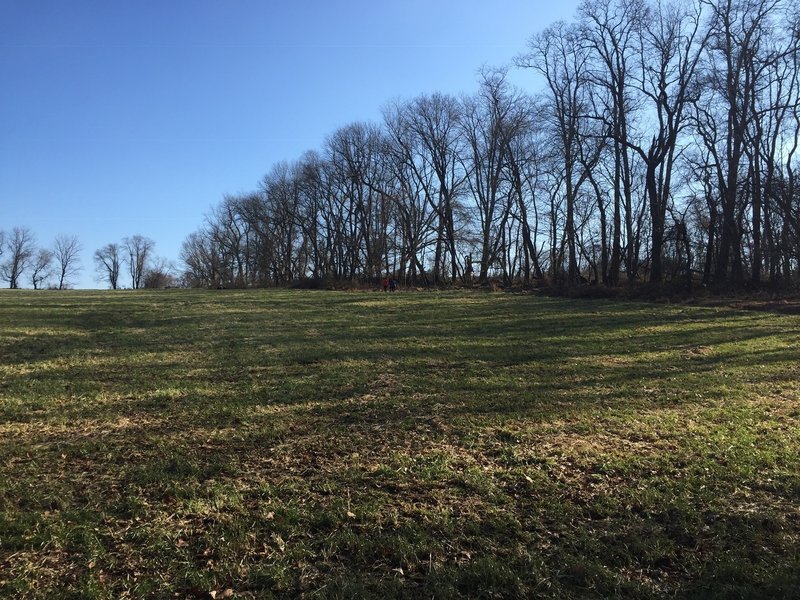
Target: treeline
column 132, row 262
column 661, row 147
column 23, row 261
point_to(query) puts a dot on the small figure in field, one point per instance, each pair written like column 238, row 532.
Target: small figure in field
column 385, row 284
column 392, row 285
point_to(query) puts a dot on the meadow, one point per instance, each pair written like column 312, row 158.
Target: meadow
column 259, row 444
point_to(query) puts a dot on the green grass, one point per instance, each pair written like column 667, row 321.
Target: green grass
column 335, row 445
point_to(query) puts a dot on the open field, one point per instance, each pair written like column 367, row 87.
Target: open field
column 189, row 443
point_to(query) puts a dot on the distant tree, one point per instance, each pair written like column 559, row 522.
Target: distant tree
column 200, row 256
column 138, row 250
column 66, row 251
column 41, row 267
column 107, row 263
column 161, row 274
column 19, row 246
column 415, row 181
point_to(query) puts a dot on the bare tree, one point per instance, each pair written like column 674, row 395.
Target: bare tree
column 160, row 274
column 311, row 214
column 354, row 155
column 414, row 183
column 41, row 267
column 671, row 45
column 561, row 56
column 107, row 263
column 434, row 121
column 66, row 252
column 776, row 122
column 525, row 166
column 280, row 199
column 490, row 121
column 19, row 246
column 610, row 29
column 200, row 257
column 740, row 59
column 138, row 250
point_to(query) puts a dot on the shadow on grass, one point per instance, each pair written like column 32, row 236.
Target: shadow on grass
column 435, row 445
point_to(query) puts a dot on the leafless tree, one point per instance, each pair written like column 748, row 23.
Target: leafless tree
column 610, row 28
column 744, row 65
column 277, row 223
column 559, row 54
column 354, row 153
column 108, row 261
column 66, row 252
column 665, row 141
column 200, row 258
column 434, row 121
column 314, row 220
column 525, row 166
column 490, row 121
column 138, row 249
column 414, row 189
column 41, row 267
column 671, row 46
column 20, row 248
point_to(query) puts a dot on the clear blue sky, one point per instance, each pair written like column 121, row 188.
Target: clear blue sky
column 120, row 117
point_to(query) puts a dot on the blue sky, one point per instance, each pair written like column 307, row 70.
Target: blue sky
column 122, row 117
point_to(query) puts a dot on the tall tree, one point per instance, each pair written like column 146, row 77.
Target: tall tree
column 41, row 267
column 490, row 120
column 138, row 249
column 525, row 165
column 737, row 33
column 313, row 219
column 434, row 120
column 776, row 123
column 108, row 261
column 19, row 250
column 611, row 31
column 355, row 156
column 279, row 218
column 417, row 189
column 671, row 42
column 66, row 253
column 559, row 54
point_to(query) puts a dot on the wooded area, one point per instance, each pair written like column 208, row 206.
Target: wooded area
column 662, row 147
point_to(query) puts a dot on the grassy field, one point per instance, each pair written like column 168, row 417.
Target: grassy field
column 210, row 444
